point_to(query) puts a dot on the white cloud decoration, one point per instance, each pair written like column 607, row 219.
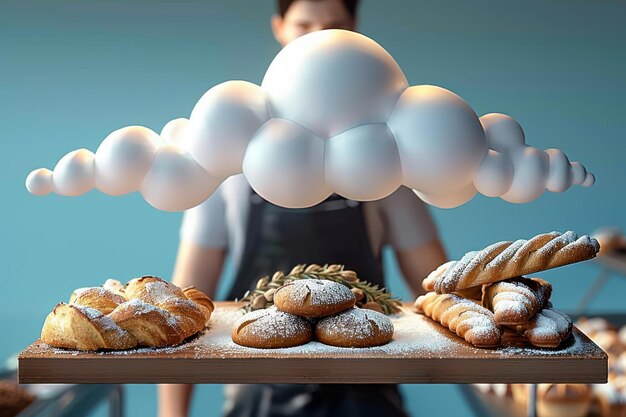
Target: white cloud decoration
column 334, row 114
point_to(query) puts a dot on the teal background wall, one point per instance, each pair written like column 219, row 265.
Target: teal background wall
column 73, row 71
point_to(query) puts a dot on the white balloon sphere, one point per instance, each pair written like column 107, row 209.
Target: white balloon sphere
column 39, row 182
column 124, row 158
column 560, row 176
column 440, row 139
column 503, row 133
column 449, row 199
column 495, row 174
column 362, row 163
column 332, row 80
column 531, row 167
column 175, row 130
column 284, row 163
column 176, row 181
column 590, row 179
column 578, row 172
column 74, row 174
column 222, row 123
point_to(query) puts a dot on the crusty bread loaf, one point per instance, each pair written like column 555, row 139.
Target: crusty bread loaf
column 355, row 327
column 147, row 312
column 314, row 297
column 504, row 260
column 271, row 328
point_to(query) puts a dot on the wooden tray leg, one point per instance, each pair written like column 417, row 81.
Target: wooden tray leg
column 531, row 410
column 116, row 401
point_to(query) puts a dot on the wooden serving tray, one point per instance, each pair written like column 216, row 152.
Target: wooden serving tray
column 422, row 351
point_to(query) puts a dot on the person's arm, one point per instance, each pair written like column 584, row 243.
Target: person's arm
column 199, row 262
column 412, row 233
column 200, row 267
column 416, row 263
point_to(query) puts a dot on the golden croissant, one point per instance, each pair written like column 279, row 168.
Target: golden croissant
column 503, row 260
column 148, row 311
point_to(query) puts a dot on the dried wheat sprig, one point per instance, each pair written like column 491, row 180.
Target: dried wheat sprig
column 368, row 295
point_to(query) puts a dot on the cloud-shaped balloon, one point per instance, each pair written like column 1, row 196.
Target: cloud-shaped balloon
column 334, row 114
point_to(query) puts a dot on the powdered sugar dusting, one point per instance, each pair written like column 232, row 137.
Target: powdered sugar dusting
column 356, row 323
column 105, row 321
column 320, row 292
column 415, row 336
column 271, row 323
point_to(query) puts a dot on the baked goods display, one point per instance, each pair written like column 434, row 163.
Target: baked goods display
column 580, row 400
column 508, row 259
column 13, row 399
column 508, row 301
column 611, row 397
column 612, row 241
column 271, row 328
column 465, row 317
column 366, row 295
column 147, row 311
column 289, row 321
column 557, row 400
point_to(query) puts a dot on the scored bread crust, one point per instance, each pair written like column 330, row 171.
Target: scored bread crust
column 466, row 318
column 147, row 312
column 355, row 327
column 271, row 328
column 516, row 300
column 314, row 298
column 503, row 260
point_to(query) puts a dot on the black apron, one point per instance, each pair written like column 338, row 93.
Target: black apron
column 277, row 239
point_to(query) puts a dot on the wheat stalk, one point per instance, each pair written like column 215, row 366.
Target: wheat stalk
column 368, row 295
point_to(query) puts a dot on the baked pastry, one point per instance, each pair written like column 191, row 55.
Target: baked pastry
column 563, row 400
column 355, row 327
column 499, row 390
column 503, row 260
column 516, row 300
column 13, row 399
column 147, row 312
column 74, row 326
column 611, row 240
column 547, row 330
column 468, row 319
column 313, row 297
column 271, row 328
column 612, row 396
column 557, row 400
column 592, row 326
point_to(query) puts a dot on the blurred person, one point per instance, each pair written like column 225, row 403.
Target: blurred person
column 260, row 239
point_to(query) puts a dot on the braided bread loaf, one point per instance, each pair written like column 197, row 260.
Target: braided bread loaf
column 468, row 319
column 147, row 312
column 548, row 329
column 503, row 260
column 516, row 300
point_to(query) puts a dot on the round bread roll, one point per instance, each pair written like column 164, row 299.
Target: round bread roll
column 355, row 327
column 314, row 298
column 271, row 328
